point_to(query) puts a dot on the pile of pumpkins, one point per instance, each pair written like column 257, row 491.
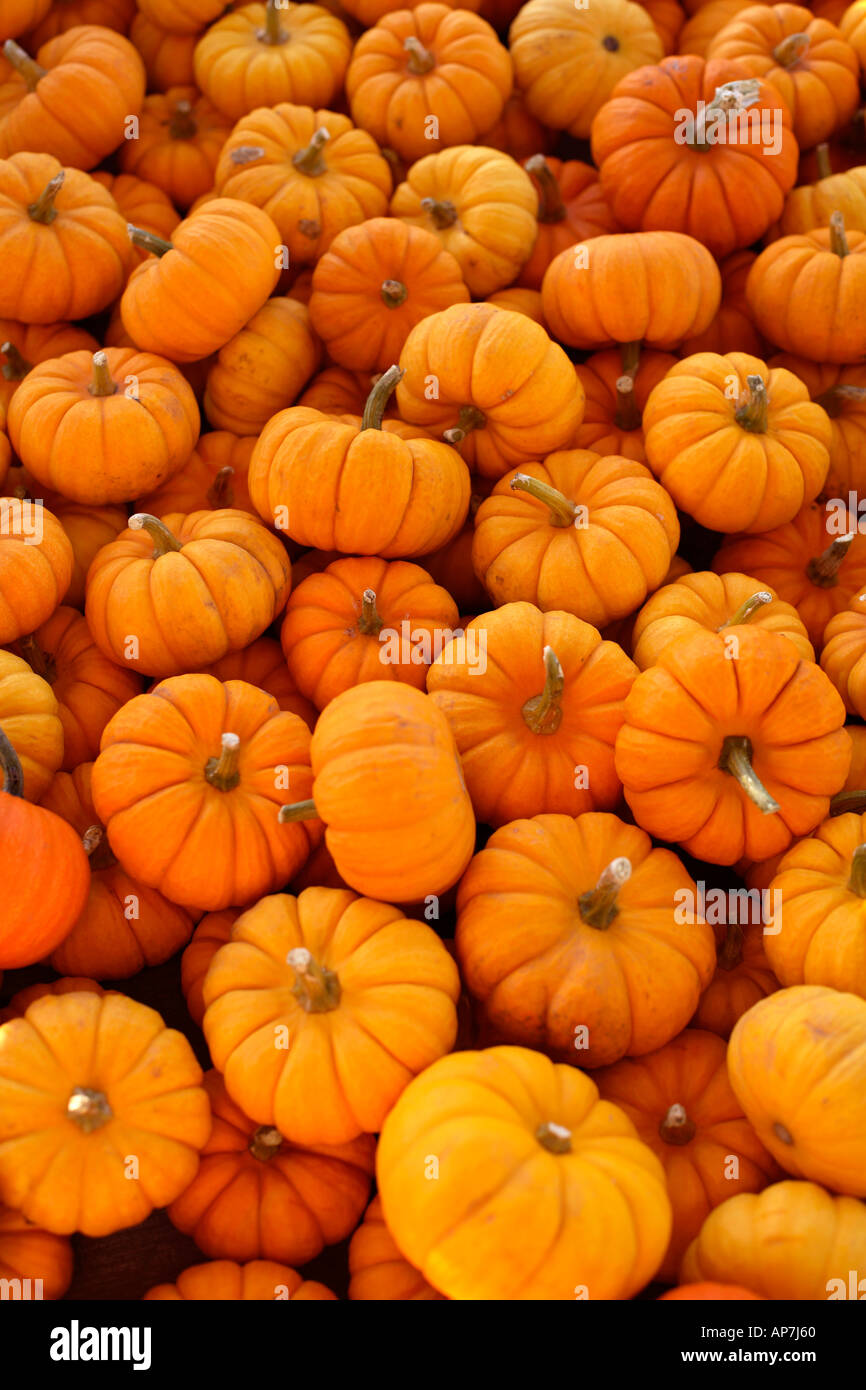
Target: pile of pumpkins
column 362, row 368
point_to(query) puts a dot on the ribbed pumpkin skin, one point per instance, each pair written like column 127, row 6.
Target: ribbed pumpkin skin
column 263, row 368
column 260, row 1281
column 28, row 1252
column 30, row 717
column 377, row 1270
column 34, row 574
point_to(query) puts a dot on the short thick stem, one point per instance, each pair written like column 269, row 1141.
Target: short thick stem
column 555, row 1138
column 299, row 810
column 10, row 767
column 730, row 953
column 223, row 772
column 838, row 240
column 219, row 494
column 823, row 569
column 316, row 988
column 183, row 124
column 791, row 50
column 273, row 32
column 310, row 160
column 747, row 610
column 148, row 241
column 729, row 100
column 443, row 212
column 14, row 368
column 736, row 758
column 752, row 406
column 822, row 159
column 43, row 209
column 420, row 59
column 627, row 415
column 23, row 64
column 857, row 878
column 676, row 1127
column 629, row 358
column 370, row 622
column 543, row 713
column 92, row 839
column 598, row 907
column 88, row 1109
column 551, row 208
column 847, row 801
column 163, row 540
column 266, row 1143
column 102, row 383
column 377, row 401
column 38, row 660
column 393, row 293
column 562, row 511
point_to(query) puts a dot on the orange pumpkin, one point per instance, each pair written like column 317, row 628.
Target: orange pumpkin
column 310, row 970
column 259, row 1281
column 517, row 132
column 796, row 1062
column 38, row 1259
column 705, row 22
column 262, row 368
column 812, row 204
column 732, row 329
column 87, row 529
column 709, row 1292
column 30, row 718
column 101, row 428
column 545, row 1190
column 214, row 477
column 73, row 99
column 23, row 998
column 209, row 837
column 674, row 290
column 200, row 288
column 374, row 284
column 534, row 701
column 262, row 664
column 337, row 391
column 259, row 55
column 24, row 345
column 520, row 301
column 616, row 388
column 572, row 207
column 312, row 171
column 182, row 16
column 63, row 241
column 743, row 975
column 377, row 1270
column 844, row 647
column 361, row 620
column 83, row 1065
column 480, row 204
column 124, row 925
column 680, row 1101
column 35, row 566
column 167, row 55
column 226, row 578
column 841, row 392
column 142, row 204
column 180, row 135
column 213, row 931
column 258, row 1196
column 589, row 535
column 66, row 14
column 19, row 15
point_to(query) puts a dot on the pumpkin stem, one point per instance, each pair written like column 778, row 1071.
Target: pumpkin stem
column 846, row 801
column 730, row 953
column 163, row 540
column 23, row 64
column 822, row 159
column 102, row 383
column 317, row 989
column 627, row 415
column 791, row 50
column 551, row 208
column 393, row 293
column 833, row 399
column 838, row 240
column 676, row 1127
column 555, row 1138
column 629, row 357
column 562, row 511
column 223, row 772
column 782, row 1132
column 148, row 241
column 97, row 848
column 823, row 569
column 92, row 839
column 442, row 211
column 38, row 660
column 543, row 713
column 265, row 1143
column 43, row 210
column 729, row 99
column 14, row 368
column 219, row 494
column 736, row 758
column 747, row 610
column 374, row 409
column 857, row 880
column 183, row 124
column 10, row 765
column 246, row 154
column 598, row 906
column 420, row 59
column 310, row 159
column 370, row 622
column 89, row 1109
column 752, row 406
column 273, row 32
column 299, row 810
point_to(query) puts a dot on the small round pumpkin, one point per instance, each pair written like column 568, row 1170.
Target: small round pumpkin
column 66, row 14
column 844, row 647
column 743, row 976
column 263, row 368
column 260, row 1281
column 213, row 478
column 142, row 204
column 24, row 345
column 20, row 15
column 30, row 718
column 166, row 54
column 224, row 757
column 841, row 393
column 311, row 970
column 92, row 1080
column 87, row 529
column 180, row 135
column 617, row 388
column 182, row 16
column 263, row 664
column 572, row 207
column 517, row 132
column 377, row 1270
column 213, row 931
column 530, row 1160
column 35, row 566
column 23, row 998
column 732, row 329
column 28, row 1253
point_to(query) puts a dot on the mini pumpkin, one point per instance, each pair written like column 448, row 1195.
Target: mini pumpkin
column 743, row 975
column 572, row 207
column 87, row 529
column 30, row 718
column 263, row 368
column 38, row 1259
column 166, row 54
column 708, row 1291
column 142, row 204
column 517, row 132
column 260, row 1281
column 182, row 16
column 35, row 566
column 617, row 387
column 213, row 478
column 91, row 1079
column 223, row 757
column 312, row 969
column 180, row 135
column 841, row 393
column 377, row 1270
column 811, row 204
column 66, row 14
column 732, row 329
column 263, row 664
column 844, row 648
column 20, row 15
column 213, row 931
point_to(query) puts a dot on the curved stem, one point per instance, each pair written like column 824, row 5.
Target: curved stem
column 833, row 399
column 219, row 494
column 730, row 98
column 442, row 211
column 736, row 758
column 273, row 32
column 183, row 124
column 420, row 59
column 299, row 810
column 846, row 801
column 857, row 879
column 676, row 1127
column 822, row 159
column 317, row 989
column 102, row 383
column 747, row 610
column 393, row 293
column 10, row 766
column 555, row 1138
column 369, row 623
column 89, row 1109
column 38, row 660
column 730, row 952
column 627, row 415
column 92, row 839
column 310, row 160
column 377, row 401
column 752, row 406
column 551, row 208
column 148, row 241
column 598, row 907
column 562, row 511
column 23, row 64
column 791, row 50
column 223, row 772
column 265, row 1143
column 543, row 713
column 838, row 240
column 14, row 368
column 43, row 210
column 163, row 540
column 823, row 569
